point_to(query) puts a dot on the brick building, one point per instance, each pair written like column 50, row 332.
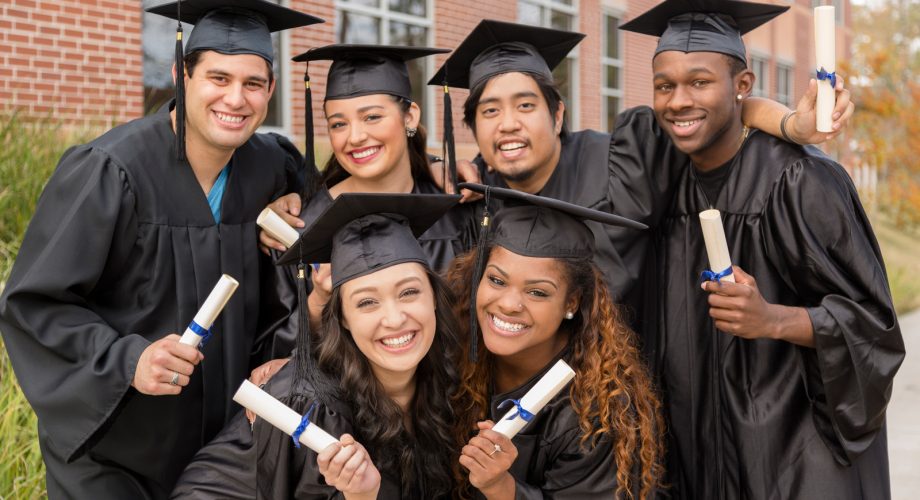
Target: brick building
column 103, row 62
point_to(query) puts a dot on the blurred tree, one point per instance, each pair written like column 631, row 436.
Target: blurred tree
column 884, row 76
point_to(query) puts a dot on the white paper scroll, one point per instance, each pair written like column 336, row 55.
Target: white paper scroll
column 274, row 225
column 276, row 413
column 826, row 59
column 716, row 246
column 536, row 398
column 212, row 306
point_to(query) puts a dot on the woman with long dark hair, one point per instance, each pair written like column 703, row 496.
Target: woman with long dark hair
column 540, row 299
column 380, row 376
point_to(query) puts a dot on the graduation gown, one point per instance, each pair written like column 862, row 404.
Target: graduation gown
column 630, row 173
column 763, row 418
column 551, row 461
column 123, row 250
column 262, row 462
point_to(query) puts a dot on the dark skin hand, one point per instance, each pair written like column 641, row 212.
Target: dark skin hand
column 739, row 309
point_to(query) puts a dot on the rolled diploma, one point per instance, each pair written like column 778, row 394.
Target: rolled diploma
column 536, row 398
column 274, row 225
column 825, row 57
column 276, row 413
column 716, row 246
column 212, row 306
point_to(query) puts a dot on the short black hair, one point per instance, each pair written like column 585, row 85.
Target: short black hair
column 547, row 87
column 191, row 60
column 735, row 65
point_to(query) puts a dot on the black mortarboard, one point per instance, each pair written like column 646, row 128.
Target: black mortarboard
column 228, row 27
column 364, row 232
column 703, row 25
column 536, row 226
column 359, row 70
column 496, row 47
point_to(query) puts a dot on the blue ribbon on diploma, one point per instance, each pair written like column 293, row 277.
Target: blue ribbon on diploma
column 201, row 332
column 304, row 423
column 711, row 276
column 824, row 75
column 521, row 412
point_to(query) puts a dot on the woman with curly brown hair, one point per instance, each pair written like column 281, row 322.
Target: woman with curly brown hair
column 541, row 299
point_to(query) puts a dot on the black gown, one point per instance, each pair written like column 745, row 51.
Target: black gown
column 765, row 418
column 262, row 462
column 122, row 250
column 630, row 173
column 551, row 461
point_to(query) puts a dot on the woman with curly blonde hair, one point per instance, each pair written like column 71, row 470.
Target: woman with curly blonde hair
column 537, row 298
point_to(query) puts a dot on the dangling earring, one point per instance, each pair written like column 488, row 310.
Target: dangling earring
column 410, row 132
column 569, row 315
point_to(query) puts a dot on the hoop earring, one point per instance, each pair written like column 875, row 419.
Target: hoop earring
column 410, row 132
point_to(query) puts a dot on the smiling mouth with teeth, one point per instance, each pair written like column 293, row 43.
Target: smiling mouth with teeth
column 507, row 326
column 511, row 146
column 401, row 341
column 228, row 118
column 684, row 124
column 364, row 153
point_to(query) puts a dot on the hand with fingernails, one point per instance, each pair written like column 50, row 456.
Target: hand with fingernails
column 348, row 467
column 739, row 309
column 487, row 457
column 165, row 367
column 288, row 208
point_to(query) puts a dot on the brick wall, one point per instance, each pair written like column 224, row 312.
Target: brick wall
column 74, row 60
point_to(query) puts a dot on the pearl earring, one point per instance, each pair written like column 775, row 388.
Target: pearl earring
column 739, row 97
column 569, row 315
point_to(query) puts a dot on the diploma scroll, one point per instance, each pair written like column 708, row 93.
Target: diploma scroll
column 716, row 246
column 826, row 62
column 276, row 413
column 536, row 398
column 212, row 306
column 274, row 225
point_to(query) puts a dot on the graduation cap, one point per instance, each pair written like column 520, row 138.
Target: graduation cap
column 229, row 27
column 535, row 226
column 703, row 25
column 360, row 233
column 359, row 70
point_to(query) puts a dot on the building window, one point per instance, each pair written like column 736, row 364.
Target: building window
column 560, row 15
column 612, row 71
column 784, row 85
column 761, row 68
column 392, row 22
column 158, row 39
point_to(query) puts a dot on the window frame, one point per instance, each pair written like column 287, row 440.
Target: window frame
column 606, row 90
column 789, row 68
column 762, row 82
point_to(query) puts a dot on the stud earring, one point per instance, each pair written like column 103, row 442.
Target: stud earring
column 410, row 132
column 739, row 97
column 569, row 315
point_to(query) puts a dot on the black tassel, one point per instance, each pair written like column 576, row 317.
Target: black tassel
column 478, row 267
column 450, row 155
column 180, row 89
column 309, row 154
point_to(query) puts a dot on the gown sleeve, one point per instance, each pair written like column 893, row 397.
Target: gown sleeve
column 573, row 472
column 822, row 244
column 73, row 367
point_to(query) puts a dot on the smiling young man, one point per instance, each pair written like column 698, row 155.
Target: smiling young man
column 517, row 116
column 775, row 387
column 130, row 235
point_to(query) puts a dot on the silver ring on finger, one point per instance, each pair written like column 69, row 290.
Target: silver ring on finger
column 496, row 449
column 175, row 379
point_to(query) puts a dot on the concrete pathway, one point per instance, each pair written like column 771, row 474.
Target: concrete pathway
column 904, row 416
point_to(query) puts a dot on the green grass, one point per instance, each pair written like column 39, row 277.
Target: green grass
column 29, row 151
column 900, row 251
